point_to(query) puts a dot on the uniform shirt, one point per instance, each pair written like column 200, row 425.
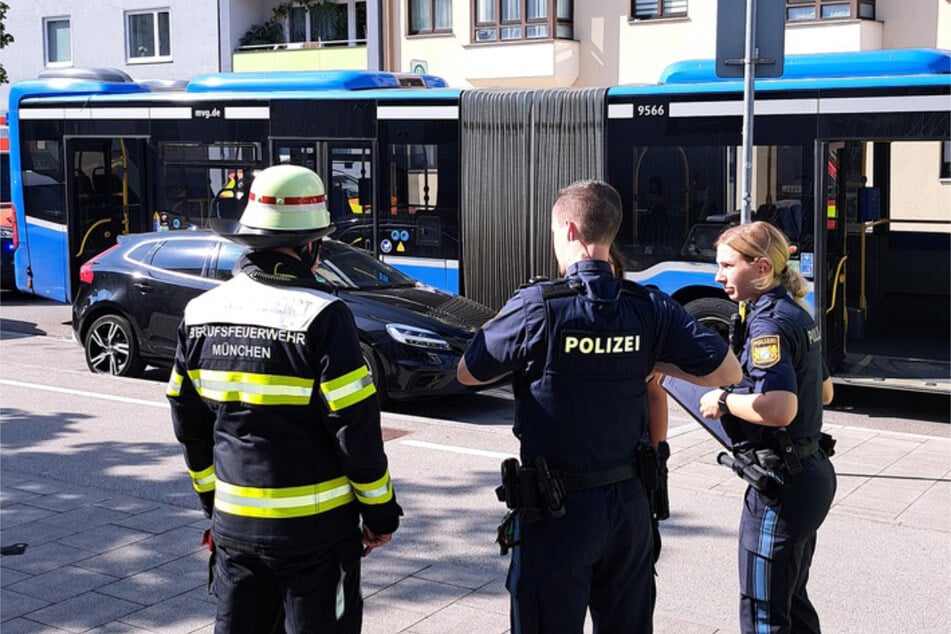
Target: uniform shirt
column 783, row 352
column 588, row 411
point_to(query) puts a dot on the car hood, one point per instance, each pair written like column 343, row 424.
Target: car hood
column 450, row 310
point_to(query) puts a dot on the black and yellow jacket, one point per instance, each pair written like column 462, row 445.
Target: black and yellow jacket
column 277, row 412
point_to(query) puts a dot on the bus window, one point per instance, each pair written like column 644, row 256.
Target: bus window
column 202, row 180
column 43, row 186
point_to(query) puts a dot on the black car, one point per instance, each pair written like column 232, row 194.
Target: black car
column 132, row 297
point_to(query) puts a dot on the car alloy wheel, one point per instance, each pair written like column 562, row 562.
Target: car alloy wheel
column 111, row 347
column 369, row 357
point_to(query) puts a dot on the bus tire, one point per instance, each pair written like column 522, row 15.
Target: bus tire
column 111, row 347
column 379, row 382
column 714, row 313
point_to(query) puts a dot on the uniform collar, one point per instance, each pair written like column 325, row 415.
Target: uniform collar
column 589, row 268
column 768, row 298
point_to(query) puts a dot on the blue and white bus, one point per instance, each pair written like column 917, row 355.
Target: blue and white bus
column 454, row 186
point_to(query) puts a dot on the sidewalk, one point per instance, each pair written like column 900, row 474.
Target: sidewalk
column 106, row 563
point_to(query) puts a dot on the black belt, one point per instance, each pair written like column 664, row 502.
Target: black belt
column 804, row 451
column 578, row 481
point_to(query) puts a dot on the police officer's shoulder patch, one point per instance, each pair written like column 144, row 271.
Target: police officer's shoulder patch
column 764, row 351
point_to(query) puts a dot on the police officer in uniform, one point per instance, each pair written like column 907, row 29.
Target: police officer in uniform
column 774, row 417
column 280, row 423
column 581, row 349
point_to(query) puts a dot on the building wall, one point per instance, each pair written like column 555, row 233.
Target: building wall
column 97, row 33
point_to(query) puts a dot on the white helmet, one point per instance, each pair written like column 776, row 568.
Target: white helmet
column 286, row 208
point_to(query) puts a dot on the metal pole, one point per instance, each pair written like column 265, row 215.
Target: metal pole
column 749, row 71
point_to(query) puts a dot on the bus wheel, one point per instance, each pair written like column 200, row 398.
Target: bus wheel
column 714, row 313
column 111, row 347
column 374, row 366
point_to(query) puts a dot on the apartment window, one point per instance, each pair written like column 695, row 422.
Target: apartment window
column 58, row 46
column 430, row 16
column 647, row 9
column 508, row 20
column 806, row 10
column 945, row 172
column 149, row 35
column 341, row 22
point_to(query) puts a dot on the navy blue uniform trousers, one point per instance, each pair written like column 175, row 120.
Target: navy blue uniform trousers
column 775, row 551
column 599, row 555
column 258, row 594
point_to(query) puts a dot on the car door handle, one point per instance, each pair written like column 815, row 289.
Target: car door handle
column 143, row 287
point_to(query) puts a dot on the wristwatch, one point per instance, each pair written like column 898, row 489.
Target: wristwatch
column 721, row 402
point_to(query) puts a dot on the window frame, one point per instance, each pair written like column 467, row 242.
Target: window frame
column 944, row 161
column 353, row 27
column 47, row 62
column 433, row 29
column 156, row 36
column 552, row 21
column 660, row 12
column 855, row 10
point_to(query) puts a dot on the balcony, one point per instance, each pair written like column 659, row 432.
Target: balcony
column 337, row 55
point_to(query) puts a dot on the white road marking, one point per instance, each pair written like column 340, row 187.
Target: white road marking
column 64, row 390
column 454, row 449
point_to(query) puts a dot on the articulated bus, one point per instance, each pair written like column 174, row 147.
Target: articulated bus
column 851, row 161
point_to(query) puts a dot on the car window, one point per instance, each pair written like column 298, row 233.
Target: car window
column 346, row 267
column 140, row 252
column 183, row 256
column 227, row 257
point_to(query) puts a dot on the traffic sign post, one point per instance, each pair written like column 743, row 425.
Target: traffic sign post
column 762, row 48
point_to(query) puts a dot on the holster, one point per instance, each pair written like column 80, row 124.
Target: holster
column 758, row 469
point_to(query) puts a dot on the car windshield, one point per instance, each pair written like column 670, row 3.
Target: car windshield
column 340, row 266
column 346, row 267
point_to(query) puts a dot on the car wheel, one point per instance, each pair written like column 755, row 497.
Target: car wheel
column 111, row 347
column 714, row 313
column 369, row 357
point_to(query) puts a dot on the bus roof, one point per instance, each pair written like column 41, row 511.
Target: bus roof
column 820, row 71
column 310, row 80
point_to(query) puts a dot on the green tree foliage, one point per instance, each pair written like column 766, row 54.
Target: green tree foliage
column 272, row 31
column 5, row 39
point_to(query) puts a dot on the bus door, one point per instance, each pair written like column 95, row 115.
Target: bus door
column 346, row 167
column 104, row 194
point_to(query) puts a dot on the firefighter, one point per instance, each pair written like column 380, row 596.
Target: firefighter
column 280, row 423
column 581, row 350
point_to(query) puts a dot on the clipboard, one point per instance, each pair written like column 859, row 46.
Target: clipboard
column 688, row 396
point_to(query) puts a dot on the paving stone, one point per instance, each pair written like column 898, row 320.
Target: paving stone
column 51, row 556
column 83, row 612
column 462, row 618
column 14, row 604
column 127, row 505
column 43, row 487
column 68, row 499
column 387, row 619
column 180, row 614
column 9, row 495
column 178, row 541
column 25, row 626
column 126, row 561
column 118, row 627
column 493, row 597
column 86, row 518
column 152, row 586
column 160, row 520
column 19, row 514
column 9, row 576
column 36, row 533
column 61, row 584
column 417, row 595
column 103, row 538
column 456, row 575
column 926, row 521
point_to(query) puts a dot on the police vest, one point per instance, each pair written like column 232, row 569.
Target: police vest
column 585, row 408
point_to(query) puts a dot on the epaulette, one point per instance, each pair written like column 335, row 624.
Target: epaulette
column 564, row 287
column 633, row 288
column 532, row 281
